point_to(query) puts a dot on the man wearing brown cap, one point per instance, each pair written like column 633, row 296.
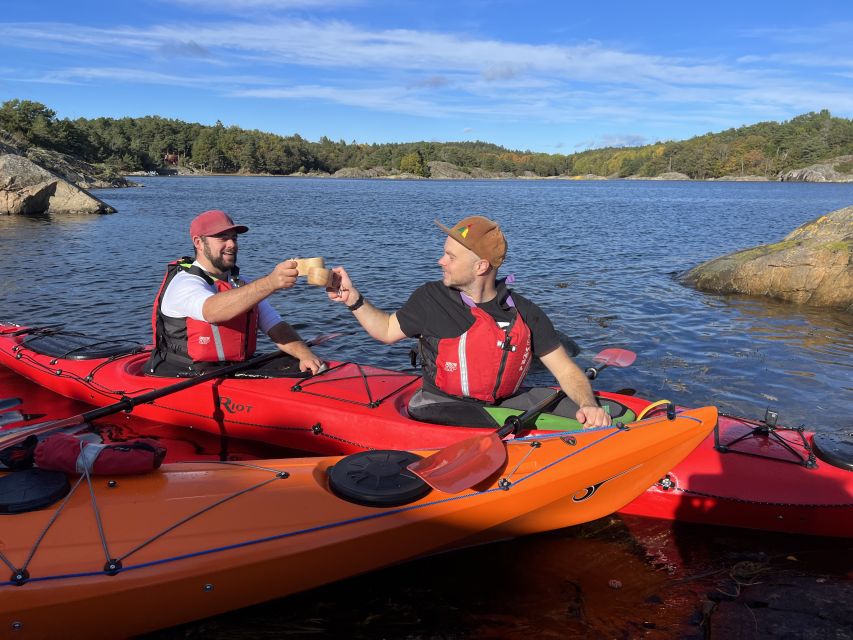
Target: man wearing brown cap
column 205, row 314
column 477, row 338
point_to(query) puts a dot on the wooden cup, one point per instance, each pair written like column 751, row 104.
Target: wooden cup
column 304, row 265
column 321, row 277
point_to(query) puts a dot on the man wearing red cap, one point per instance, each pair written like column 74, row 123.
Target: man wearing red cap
column 206, row 315
column 477, row 338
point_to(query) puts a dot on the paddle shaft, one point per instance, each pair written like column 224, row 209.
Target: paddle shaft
column 127, row 403
column 514, row 424
column 592, row 372
column 463, row 464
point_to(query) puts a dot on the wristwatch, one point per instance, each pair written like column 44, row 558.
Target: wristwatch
column 357, row 304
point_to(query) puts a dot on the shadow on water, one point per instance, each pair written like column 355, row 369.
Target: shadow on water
column 585, row 582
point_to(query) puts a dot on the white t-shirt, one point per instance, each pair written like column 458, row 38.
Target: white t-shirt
column 186, row 293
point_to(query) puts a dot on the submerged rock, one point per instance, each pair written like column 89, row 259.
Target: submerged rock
column 26, row 188
column 812, row 265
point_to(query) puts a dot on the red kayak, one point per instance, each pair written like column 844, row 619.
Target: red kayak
column 348, row 408
column 770, row 479
column 754, row 475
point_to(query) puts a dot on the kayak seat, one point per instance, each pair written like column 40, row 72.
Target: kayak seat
column 70, row 345
column 562, row 417
column 470, row 414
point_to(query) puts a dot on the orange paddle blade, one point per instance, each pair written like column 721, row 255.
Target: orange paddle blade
column 463, row 464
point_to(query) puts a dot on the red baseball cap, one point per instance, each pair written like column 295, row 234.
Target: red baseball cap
column 213, row 222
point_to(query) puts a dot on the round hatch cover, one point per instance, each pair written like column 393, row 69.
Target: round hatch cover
column 31, row 489
column 377, row 478
column 835, row 448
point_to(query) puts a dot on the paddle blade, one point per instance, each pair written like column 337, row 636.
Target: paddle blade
column 616, row 357
column 11, row 437
column 463, row 464
column 9, row 417
column 318, row 340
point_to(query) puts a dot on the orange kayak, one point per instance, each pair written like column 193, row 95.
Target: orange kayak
column 124, row 556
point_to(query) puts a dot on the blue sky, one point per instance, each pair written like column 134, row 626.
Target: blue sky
column 555, row 77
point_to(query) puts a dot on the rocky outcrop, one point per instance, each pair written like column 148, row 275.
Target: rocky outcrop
column 446, row 171
column 671, row 175
column 813, row 265
column 26, row 188
column 483, row 174
column 8, row 144
column 742, row 179
column 352, row 172
column 74, row 170
column 838, row 170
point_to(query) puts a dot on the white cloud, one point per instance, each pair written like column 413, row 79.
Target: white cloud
column 241, row 6
column 441, row 74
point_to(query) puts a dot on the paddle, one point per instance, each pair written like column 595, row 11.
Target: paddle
column 9, row 403
column 465, row 463
column 610, row 358
column 128, row 403
column 8, row 417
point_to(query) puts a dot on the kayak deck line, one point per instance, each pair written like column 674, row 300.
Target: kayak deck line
column 21, row 352
column 325, row 377
column 703, row 494
column 769, row 429
column 278, row 475
column 332, row 415
column 115, row 563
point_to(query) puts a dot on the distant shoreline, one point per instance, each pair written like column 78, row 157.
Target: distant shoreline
column 412, row 177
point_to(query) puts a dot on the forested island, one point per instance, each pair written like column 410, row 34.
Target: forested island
column 767, row 150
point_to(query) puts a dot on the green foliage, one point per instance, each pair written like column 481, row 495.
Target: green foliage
column 128, row 144
column 844, row 167
column 413, row 163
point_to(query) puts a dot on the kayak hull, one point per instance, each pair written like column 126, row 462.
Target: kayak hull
column 197, row 539
column 349, row 408
column 757, row 484
column 356, row 407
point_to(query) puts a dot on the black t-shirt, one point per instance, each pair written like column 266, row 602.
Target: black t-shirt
column 437, row 311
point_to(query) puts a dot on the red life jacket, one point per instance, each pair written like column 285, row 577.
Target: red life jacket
column 183, row 341
column 487, row 362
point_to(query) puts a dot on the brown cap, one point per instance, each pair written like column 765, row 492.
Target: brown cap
column 482, row 236
column 213, row 222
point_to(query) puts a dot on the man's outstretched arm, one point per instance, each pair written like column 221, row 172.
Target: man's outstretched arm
column 379, row 324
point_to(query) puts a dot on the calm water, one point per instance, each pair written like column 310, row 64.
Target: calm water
column 599, row 257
